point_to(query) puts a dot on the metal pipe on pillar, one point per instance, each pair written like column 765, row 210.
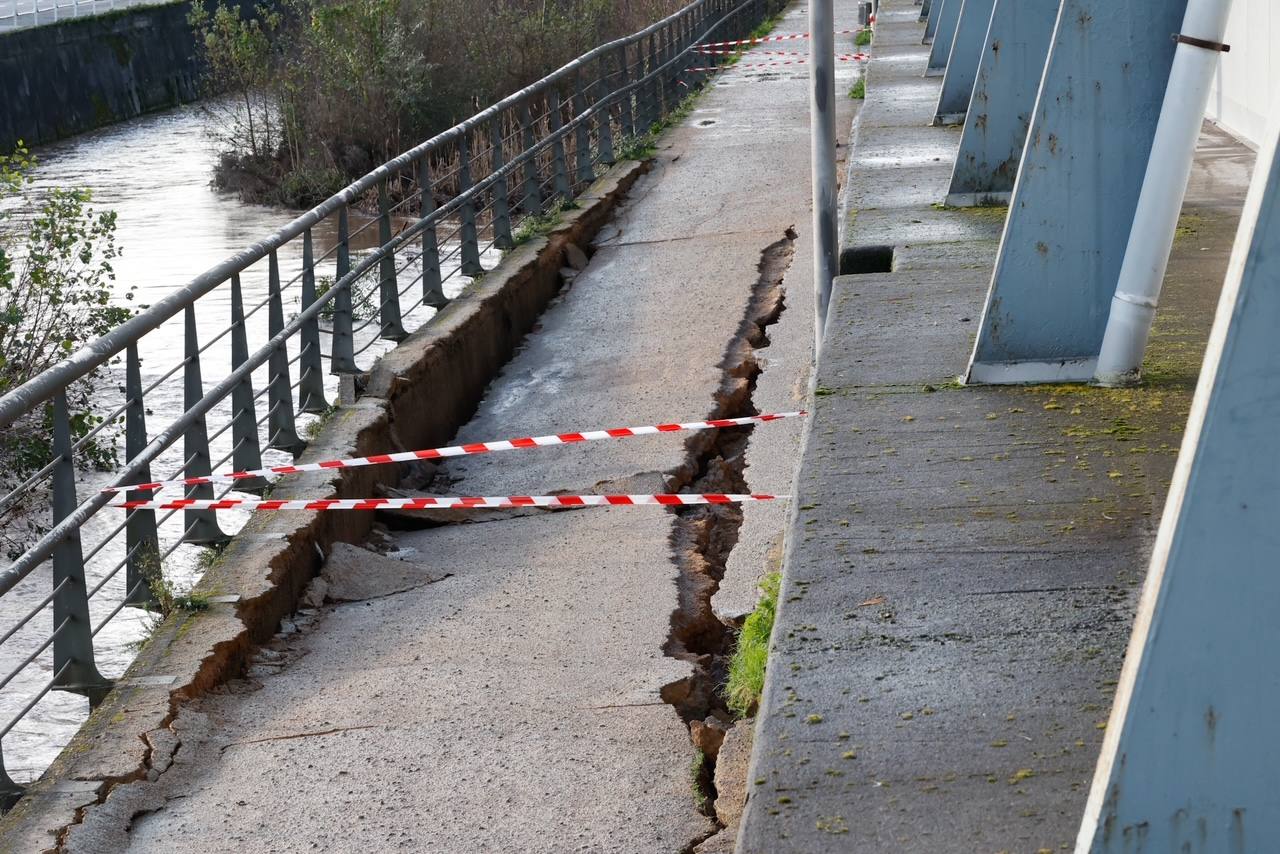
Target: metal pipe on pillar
column 1133, row 308
column 822, row 124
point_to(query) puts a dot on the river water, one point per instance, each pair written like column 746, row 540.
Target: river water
column 155, row 173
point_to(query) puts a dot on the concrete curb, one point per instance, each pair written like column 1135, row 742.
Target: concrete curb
column 418, row 395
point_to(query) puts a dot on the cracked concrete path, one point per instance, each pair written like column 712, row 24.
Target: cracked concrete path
column 516, row 704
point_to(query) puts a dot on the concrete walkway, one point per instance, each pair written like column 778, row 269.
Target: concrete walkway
column 966, row 561
column 508, row 685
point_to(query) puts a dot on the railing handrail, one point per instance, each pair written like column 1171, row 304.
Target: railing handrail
column 624, row 84
column 12, row 575
column 42, row 388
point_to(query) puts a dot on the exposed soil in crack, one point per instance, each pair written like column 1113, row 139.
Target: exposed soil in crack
column 705, row 535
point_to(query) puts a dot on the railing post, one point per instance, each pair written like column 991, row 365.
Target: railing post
column 142, row 542
column 501, row 201
column 470, row 240
column 246, row 452
column 627, row 104
column 681, row 39
column 73, row 665
column 201, row 525
column 311, row 379
column 388, row 289
column 555, row 122
column 605, row 87
column 665, row 99
column 281, row 431
column 586, row 172
column 10, row 792
column 432, row 289
column 532, row 201
column 342, row 359
column 653, row 113
column 673, row 71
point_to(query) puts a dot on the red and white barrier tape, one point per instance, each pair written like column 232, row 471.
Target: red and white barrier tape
column 851, row 57
column 786, row 37
column 754, row 52
column 503, row 502
column 462, row 450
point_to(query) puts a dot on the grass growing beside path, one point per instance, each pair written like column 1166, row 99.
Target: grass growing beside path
column 746, row 669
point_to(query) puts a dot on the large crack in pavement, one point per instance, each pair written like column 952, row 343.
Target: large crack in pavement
column 704, row 536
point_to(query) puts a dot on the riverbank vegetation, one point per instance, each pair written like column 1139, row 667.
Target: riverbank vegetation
column 56, row 293
column 315, row 93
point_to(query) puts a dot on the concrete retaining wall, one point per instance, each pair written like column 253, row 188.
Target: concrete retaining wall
column 1244, row 90
column 62, row 79
column 418, row 396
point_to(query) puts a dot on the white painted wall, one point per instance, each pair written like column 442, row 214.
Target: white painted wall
column 1249, row 75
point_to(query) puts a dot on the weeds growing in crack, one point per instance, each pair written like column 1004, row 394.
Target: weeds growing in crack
column 701, row 783
column 746, row 669
column 166, row 600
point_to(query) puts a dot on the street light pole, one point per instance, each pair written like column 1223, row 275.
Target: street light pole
column 822, row 122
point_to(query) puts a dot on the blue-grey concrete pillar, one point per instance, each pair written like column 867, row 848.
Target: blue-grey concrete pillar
column 1189, row 762
column 962, row 67
column 1073, row 203
column 938, row 13
column 1004, row 95
column 948, row 20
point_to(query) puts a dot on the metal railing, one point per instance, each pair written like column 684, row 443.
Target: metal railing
column 20, row 14
column 394, row 245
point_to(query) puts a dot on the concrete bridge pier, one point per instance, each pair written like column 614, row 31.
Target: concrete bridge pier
column 1077, row 189
column 1004, row 97
column 1185, row 764
column 962, row 65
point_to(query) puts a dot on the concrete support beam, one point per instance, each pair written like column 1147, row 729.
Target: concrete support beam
column 962, row 67
column 1076, row 192
column 1185, row 764
column 943, row 36
column 931, row 21
column 1004, row 96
